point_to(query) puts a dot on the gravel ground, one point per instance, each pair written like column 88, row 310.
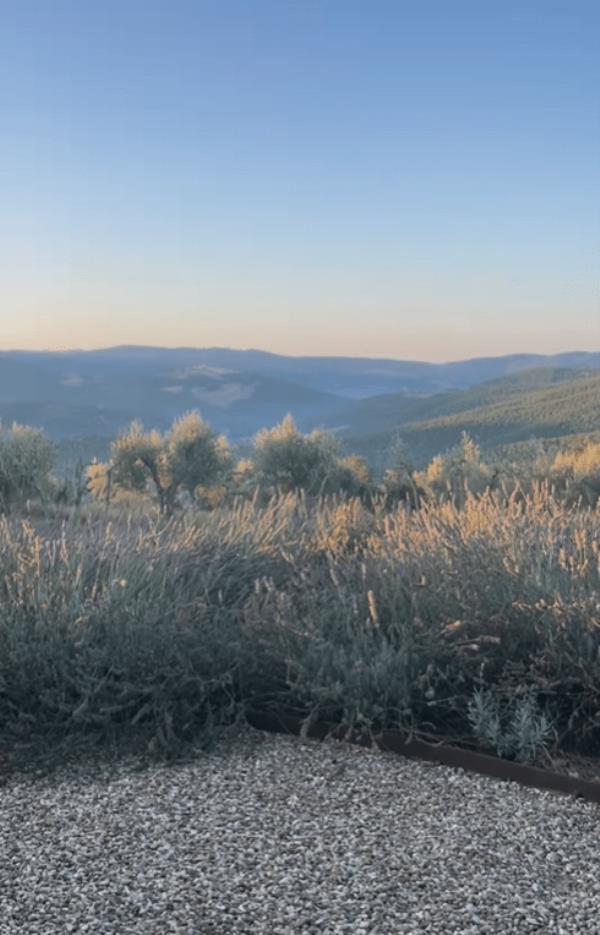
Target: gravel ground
column 269, row 836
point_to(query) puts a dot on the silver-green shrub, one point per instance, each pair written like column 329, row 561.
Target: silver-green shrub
column 517, row 728
column 375, row 617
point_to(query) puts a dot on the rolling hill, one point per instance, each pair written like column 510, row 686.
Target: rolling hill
column 95, row 394
column 557, row 405
column 348, row 377
column 99, row 394
column 567, row 409
column 391, row 410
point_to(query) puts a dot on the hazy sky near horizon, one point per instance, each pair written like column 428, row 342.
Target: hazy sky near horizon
column 391, row 178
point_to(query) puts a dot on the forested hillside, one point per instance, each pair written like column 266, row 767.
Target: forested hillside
column 389, row 411
column 500, row 413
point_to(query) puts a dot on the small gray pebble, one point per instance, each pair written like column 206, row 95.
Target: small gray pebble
column 270, row 836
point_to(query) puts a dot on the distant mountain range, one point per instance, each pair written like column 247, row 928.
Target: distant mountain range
column 499, row 400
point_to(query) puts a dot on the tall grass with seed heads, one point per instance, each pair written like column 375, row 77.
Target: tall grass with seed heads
column 165, row 630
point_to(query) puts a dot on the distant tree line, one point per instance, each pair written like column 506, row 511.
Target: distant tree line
column 191, row 465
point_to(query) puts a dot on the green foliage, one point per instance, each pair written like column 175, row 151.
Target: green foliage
column 191, row 460
column 400, row 485
column 534, row 405
column 117, row 631
column 577, row 473
column 569, row 408
column 285, row 460
column 242, row 480
column 352, row 477
column 459, row 473
column 194, row 454
column 393, row 410
column 463, row 598
column 136, row 457
column 187, row 457
column 517, row 729
column 26, row 466
column 376, row 617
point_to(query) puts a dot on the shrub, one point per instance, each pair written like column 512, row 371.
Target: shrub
column 26, row 466
column 577, row 474
column 457, row 474
column 378, row 617
column 517, row 729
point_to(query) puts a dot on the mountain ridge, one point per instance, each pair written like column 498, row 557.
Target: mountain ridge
column 354, row 377
column 74, row 393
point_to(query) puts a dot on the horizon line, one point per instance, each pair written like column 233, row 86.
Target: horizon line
column 255, row 350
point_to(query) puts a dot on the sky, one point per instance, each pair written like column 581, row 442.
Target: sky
column 401, row 178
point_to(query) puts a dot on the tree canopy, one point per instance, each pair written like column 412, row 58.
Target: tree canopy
column 26, row 465
column 190, row 455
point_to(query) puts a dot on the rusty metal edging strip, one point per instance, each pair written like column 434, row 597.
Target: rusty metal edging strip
column 395, row 741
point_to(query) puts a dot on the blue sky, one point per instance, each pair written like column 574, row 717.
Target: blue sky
column 408, row 179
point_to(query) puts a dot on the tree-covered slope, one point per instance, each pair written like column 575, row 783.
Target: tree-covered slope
column 567, row 409
column 507, row 413
column 393, row 410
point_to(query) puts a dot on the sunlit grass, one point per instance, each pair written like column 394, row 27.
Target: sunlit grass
column 169, row 628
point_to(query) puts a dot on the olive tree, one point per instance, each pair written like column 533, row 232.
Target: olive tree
column 286, row 460
column 26, row 465
column 187, row 457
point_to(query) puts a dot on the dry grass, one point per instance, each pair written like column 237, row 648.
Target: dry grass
column 164, row 630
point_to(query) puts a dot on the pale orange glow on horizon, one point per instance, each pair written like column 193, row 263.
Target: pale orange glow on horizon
column 363, row 318
column 448, row 346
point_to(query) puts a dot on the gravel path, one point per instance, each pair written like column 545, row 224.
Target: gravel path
column 269, row 836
